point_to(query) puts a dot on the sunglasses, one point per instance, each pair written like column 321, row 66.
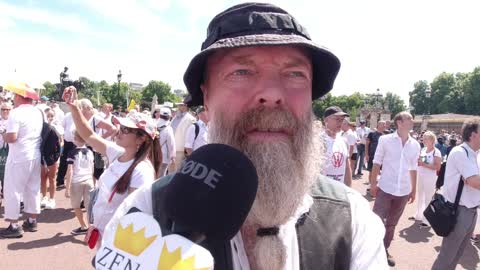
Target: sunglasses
column 5, row 110
column 127, row 130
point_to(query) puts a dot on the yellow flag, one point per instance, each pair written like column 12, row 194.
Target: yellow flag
column 131, row 106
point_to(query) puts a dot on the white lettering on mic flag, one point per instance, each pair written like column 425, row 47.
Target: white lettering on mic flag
column 136, row 243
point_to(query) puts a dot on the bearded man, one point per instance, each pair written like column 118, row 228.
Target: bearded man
column 257, row 75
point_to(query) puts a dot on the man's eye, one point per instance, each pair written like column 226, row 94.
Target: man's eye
column 296, row 74
column 241, row 72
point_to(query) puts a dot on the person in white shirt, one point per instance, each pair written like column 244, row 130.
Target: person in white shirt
column 79, row 180
column 134, row 158
column 195, row 140
column 107, row 116
column 22, row 170
column 180, row 123
column 337, row 166
column 99, row 126
column 59, row 114
column 362, row 133
column 167, row 139
column 5, row 111
column 350, row 138
column 398, row 154
column 68, row 145
column 428, row 165
column 258, row 97
column 462, row 165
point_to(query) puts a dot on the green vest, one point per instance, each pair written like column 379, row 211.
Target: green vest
column 324, row 233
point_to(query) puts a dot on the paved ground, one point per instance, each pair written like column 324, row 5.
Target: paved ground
column 52, row 247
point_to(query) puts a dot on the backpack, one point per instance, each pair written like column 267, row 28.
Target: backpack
column 50, row 145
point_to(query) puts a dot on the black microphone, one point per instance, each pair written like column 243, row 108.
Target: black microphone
column 212, row 193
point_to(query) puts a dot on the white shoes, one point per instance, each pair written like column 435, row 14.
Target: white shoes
column 44, row 202
column 50, row 204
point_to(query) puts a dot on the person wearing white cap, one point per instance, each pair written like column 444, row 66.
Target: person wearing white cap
column 134, row 158
column 197, row 133
column 166, row 139
column 22, row 170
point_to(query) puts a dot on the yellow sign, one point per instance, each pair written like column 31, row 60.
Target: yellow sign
column 131, row 106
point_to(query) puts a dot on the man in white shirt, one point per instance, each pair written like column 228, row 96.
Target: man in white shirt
column 180, row 123
column 350, row 138
column 258, row 97
column 362, row 133
column 59, row 114
column 337, row 166
column 68, row 145
column 22, row 170
column 197, row 133
column 166, row 140
column 463, row 162
column 398, row 154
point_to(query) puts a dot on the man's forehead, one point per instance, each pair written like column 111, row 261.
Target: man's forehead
column 248, row 55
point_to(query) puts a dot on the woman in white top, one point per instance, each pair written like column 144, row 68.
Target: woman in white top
column 428, row 164
column 134, row 157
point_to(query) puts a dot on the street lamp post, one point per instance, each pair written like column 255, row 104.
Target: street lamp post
column 119, row 79
column 428, row 94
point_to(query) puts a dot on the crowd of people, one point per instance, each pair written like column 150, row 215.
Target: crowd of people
column 404, row 166
column 252, row 86
column 77, row 164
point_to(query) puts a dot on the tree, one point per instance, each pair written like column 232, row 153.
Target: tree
column 162, row 90
column 418, row 97
column 471, row 88
column 394, row 103
column 50, row 89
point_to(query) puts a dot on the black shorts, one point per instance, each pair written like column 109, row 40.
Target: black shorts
column 97, row 172
column 354, row 156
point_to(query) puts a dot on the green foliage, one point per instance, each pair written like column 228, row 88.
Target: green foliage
column 102, row 92
column 354, row 103
column 450, row 93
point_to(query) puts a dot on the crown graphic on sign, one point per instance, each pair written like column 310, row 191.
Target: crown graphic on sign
column 173, row 260
column 132, row 242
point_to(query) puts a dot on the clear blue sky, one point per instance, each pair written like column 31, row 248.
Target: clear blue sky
column 381, row 44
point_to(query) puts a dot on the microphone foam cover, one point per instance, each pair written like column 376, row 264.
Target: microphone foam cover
column 213, row 191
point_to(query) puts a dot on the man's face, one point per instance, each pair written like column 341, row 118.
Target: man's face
column 5, row 110
column 381, row 126
column 87, row 112
column 182, row 108
column 406, row 124
column 334, row 123
column 345, row 125
column 258, row 100
column 271, row 77
column 106, row 109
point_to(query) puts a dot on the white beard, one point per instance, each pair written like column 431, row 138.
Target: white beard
column 286, row 169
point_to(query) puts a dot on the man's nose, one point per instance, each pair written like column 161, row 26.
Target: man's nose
column 271, row 91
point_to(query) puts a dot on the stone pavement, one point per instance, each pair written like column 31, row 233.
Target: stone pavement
column 52, row 247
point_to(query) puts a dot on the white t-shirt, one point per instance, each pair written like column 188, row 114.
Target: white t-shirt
column 458, row 164
column 143, row 173
column 362, row 134
column 429, row 159
column 26, row 121
column 368, row 251
column 350, row 138
column 202, row 138
column 81, row 159
column 337, row 155
column 166, row 141
column 3, row 126
column 68, row 127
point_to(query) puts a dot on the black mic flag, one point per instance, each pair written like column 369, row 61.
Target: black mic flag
column 212, row 193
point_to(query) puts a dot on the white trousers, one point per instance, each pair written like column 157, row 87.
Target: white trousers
column 425, row 191
column 22, row 180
